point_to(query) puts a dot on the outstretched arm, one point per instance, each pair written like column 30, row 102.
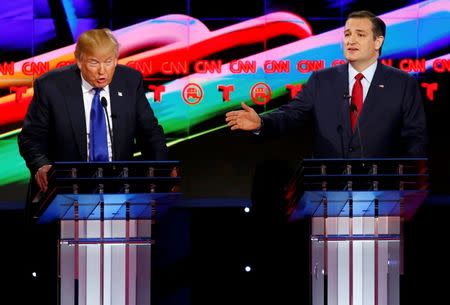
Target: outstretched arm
column 246, row 119
column 288, row 117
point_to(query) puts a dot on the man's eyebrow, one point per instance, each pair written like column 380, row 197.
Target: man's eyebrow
column 357, row 30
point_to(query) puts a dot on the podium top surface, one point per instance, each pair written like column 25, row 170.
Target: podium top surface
column 312, row 160
column 364, row 174
column 358, row 204
column 358, row 187
column 366, row 166
column 108, row 190
column 65, row 164
column 107, row 206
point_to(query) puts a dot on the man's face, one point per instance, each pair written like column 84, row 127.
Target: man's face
column 360, row 45
column 98, row 68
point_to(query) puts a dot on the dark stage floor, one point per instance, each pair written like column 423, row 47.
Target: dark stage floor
column 214, row 245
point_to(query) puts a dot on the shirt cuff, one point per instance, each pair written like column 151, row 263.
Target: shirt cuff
column 258, row 130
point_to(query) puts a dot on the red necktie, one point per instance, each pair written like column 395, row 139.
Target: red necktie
column 357, row 100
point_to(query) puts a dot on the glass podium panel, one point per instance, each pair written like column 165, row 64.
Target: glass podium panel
column 106, row 262
column 356, row 260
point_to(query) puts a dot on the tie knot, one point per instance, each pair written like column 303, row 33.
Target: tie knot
column 97, row 91
column 359, row 76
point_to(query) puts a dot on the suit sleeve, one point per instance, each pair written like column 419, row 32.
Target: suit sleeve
column 33, row 139
column 414, row 128
column 150, row 137
column 294, row 114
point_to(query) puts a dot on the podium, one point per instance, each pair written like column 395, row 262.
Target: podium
column 105, row 212
column 357, row 208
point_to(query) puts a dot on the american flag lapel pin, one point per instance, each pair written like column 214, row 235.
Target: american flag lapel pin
column 119, row 93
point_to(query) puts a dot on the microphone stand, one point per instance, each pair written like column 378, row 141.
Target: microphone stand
column 105, row 106
column 354, row 111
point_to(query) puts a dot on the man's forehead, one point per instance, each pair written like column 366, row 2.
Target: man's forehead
column 358, row 24
column 101, row 55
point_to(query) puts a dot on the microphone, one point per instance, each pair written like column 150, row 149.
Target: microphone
column 354, row 110
column 352, row 107
column 105, row 106
column 340, row 128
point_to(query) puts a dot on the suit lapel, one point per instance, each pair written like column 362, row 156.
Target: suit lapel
column 376, row 87
column 342, row 87
column 75, row 107
column 118, row 97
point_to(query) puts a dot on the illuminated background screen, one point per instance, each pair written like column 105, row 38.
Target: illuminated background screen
column 200, row 61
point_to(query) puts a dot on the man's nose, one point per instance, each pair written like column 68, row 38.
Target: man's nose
column 101, row 68
column 352, row 39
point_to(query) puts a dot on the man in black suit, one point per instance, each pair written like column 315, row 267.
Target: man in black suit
column 66, row 116
column 389, row 121
column 362, row 109
column 57, row 123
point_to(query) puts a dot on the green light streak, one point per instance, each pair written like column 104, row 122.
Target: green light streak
column 13, row 168
column 10, row 133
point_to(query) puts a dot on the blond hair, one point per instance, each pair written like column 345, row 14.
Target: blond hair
column 95, row 40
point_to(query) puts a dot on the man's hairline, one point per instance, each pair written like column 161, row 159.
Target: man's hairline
column 375, row 36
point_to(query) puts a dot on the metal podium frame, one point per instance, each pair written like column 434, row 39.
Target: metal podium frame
column 106, row 211
column 357, row 208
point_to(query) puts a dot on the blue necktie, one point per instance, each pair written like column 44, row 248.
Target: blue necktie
column 98, row 142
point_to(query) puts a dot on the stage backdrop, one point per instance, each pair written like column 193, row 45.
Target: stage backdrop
column 200, row 61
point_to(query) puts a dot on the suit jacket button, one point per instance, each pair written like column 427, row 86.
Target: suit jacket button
column 350, row 149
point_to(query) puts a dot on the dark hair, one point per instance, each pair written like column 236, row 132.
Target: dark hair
column 378, row 25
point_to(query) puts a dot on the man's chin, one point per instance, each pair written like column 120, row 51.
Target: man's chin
column 351, row 58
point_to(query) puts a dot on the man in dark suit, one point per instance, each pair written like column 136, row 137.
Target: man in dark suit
column 362, row 109
column 57, row 124
column 388, row 120
column 67, row 121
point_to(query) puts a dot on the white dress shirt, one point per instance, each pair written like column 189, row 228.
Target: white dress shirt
column 365, row 81
column 88, row 96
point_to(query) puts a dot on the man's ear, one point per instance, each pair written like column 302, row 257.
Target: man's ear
column 379, row 42
column 78, row 61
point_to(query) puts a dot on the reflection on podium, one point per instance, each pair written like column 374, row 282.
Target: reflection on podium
column 106, row 211
column 357, row 208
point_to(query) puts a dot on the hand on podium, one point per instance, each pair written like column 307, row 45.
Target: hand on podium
column 175, row 172
column 41, row 177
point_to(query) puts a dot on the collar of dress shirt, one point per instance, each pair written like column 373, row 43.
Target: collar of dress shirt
column 368, row 72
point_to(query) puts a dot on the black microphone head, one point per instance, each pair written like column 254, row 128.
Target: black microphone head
column 104, row 102
column 353, row 107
